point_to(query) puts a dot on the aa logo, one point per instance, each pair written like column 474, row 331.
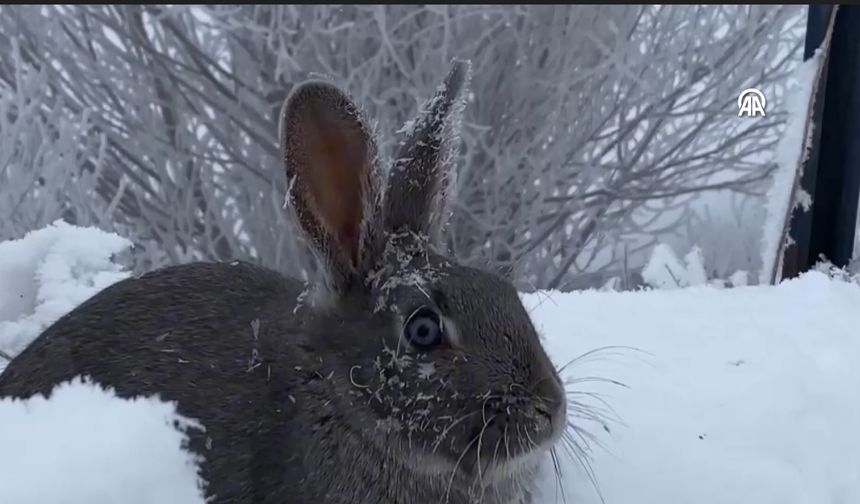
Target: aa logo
column 751, row 103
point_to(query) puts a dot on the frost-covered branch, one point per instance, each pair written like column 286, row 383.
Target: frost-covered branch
column 585, row 122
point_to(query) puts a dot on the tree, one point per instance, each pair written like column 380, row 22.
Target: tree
column 587, row 122
column 42, row 154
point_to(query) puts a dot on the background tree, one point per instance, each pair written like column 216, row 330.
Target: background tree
column 589, row 130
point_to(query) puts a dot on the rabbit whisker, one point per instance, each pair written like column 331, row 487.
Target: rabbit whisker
column 478, row 454
column 579, row 450
column 352, row 379
column 454, row 471
column 447, row 429
column 556, row 469
column 611, row 350
column 495, row 462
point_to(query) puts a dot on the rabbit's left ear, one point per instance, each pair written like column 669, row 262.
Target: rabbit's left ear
column 423, row 177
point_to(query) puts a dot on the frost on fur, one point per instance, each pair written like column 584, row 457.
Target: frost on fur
column 403, row 262
column 422, row 181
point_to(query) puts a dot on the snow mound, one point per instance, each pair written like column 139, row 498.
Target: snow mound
column 86, row 446
column 665, row 270
column 742, row 396
column 47, row 273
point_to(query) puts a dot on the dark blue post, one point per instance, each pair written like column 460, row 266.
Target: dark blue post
column 832, row 173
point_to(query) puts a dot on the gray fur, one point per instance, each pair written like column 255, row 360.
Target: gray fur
column 328, row 402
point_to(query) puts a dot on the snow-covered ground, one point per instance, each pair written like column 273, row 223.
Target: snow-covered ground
column 736, row 396
column 732, row 396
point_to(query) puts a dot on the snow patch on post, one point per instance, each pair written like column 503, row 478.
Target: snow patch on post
column 790, row 156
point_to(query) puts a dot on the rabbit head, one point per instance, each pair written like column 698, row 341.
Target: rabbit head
column 440, row 360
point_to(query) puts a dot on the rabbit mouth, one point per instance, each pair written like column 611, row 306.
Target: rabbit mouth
column 486, row 470
column 504, row 448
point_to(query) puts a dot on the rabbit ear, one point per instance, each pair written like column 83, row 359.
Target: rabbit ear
column 329, row 155
column 423, row 176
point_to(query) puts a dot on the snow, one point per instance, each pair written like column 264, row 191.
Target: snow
column 739, row 278
column 86, row 446
column 790, row 153
column 47, row 273
column 665, row 271
column 743, row 396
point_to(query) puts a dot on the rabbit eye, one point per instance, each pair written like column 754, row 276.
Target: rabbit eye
column 424, row 328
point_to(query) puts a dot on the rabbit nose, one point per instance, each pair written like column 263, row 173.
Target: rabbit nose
column 551, row 400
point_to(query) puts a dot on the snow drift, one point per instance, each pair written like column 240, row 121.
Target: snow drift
column 743, row 395
column 86, row 446
column 49, row 272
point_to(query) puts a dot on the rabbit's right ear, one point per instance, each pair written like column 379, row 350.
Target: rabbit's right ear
column 330, row 157
column 422, row 179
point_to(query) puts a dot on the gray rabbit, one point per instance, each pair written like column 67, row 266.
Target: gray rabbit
column 396, row 375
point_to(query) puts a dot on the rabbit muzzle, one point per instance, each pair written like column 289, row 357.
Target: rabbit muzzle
column 516, row 432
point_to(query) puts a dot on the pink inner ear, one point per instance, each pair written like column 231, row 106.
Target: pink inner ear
column 337, row 162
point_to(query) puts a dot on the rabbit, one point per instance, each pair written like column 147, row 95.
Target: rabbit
column 393, row 374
